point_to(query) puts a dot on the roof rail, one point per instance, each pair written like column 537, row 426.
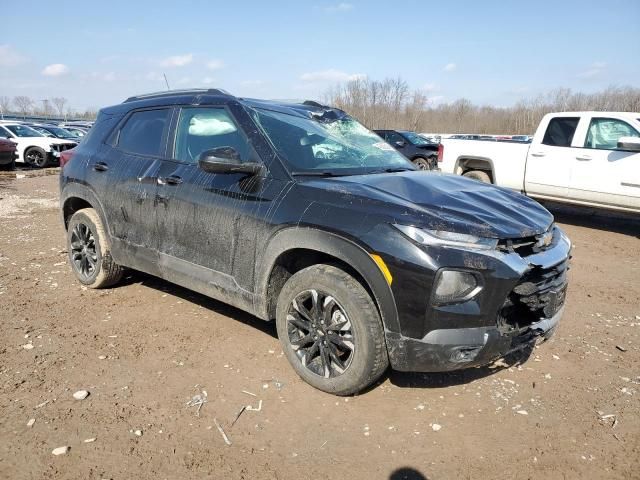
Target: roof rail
column 169, row 93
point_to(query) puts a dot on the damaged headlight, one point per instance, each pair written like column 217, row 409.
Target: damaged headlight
column 443, row 237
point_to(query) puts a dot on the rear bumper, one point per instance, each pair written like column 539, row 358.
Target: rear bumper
column 458, row 348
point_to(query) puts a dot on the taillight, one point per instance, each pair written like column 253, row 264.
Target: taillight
column 440, row 152
column 66, row 156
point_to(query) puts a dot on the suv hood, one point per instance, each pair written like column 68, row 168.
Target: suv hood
column 449, row 202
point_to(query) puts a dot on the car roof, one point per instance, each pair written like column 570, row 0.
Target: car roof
column 207, row 96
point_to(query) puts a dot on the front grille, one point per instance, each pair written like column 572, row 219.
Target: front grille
column 529, row 245
column 539, row 294
column 61, row 147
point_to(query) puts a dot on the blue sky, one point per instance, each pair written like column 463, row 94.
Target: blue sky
column 98, row 53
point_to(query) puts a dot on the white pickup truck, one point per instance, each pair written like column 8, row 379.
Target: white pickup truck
column 584, row 158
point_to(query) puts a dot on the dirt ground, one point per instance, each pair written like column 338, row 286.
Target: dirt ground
column 146, row 347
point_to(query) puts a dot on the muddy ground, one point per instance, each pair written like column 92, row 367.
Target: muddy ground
column 146, row 347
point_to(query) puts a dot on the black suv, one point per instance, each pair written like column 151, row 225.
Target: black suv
column 298, row 213
column 419, row 150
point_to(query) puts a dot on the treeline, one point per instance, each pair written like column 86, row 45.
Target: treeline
column 390, row 103
column 24, row 106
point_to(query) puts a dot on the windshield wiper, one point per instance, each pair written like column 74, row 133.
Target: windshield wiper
column 322, row 173
column 393, row 170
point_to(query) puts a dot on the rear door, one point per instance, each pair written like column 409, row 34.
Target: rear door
column 602, row 173
column 124, row 175
column 550, row 158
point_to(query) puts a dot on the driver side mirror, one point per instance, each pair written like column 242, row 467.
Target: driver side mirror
column 629, row 143
column 400, row 143
column 226, row 160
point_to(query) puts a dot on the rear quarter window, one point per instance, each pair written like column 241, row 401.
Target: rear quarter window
column 560, row 131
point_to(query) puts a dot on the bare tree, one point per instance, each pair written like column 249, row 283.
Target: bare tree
column 59, row 103
column 5, row 104
column 23, row 104
column 391, row 104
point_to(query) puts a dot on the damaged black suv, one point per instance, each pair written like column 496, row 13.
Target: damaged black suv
column 298, row 213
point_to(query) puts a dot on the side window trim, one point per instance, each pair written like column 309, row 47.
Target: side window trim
column 114, row 139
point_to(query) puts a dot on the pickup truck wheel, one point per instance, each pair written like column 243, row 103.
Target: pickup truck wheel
column 331, row 331
column 478, row 175
column 90, row 251
column 36, row 157
column 421, row 163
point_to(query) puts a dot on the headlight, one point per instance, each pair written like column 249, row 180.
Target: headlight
column 453, row 286
column 443, row 237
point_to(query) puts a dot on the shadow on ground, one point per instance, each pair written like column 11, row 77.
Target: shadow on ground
column 407, row 473
column 399, row 379
column 610, row 221
column 458, row 377
column 138, row 278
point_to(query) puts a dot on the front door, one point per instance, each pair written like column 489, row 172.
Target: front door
column 602, row 173
column 206, row 241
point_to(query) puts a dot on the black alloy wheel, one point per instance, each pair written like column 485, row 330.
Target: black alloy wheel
column 83, row 251
column 320, row 333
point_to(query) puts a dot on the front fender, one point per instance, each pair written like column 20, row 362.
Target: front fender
column 336, row 246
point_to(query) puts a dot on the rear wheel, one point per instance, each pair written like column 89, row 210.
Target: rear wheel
column 36, row 157
column 331, row 331
column 421, row 163
column 480, row 175
column 90, row 251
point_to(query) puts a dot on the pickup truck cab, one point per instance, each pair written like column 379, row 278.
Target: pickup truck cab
column 582, row 158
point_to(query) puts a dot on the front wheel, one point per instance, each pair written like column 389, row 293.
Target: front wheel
column 331, row 331
column 36, row 157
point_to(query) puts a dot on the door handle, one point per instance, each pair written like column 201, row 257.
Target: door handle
column 583, row 158
column 537, row 154
column 170, row 180
column 101, row 167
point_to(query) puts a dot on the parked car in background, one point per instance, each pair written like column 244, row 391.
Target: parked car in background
column 583, row 158
column 54, row 131
column 80, row 132
column 78, row 124
column 34, row 148
column 299, row 214
column 8, row 154
column 420, row 151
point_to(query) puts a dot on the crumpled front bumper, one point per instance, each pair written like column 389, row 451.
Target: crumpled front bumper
column 453, row 349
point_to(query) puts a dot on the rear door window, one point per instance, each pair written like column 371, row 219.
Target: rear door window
column 560, row 131
column 144, row 132
column 603, row 133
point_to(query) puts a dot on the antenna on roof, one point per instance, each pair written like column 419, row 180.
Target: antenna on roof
column 166, row 81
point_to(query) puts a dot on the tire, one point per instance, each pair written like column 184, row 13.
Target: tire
column 36, row 157
column 352, row 332
column 422, row 163
column 479, row 175
column 90, row 251
column 9, row 166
